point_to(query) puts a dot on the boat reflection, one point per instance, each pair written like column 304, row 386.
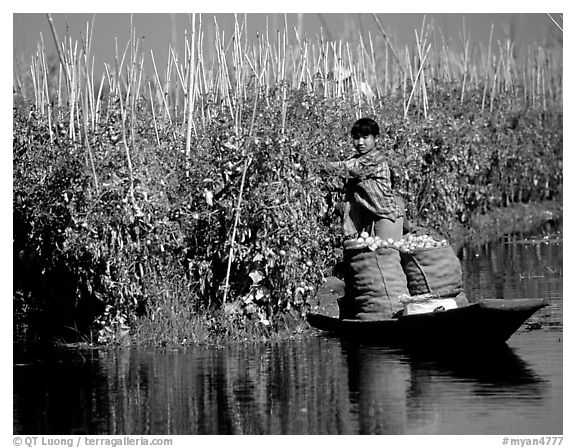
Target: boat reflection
column 403, row 392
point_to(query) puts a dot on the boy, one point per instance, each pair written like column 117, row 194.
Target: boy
column 370, row 204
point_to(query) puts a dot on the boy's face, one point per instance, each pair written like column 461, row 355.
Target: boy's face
column 364, row 144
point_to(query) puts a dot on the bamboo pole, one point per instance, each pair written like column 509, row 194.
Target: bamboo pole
column 487, row 67
column 163, row 93
column 283, row 78
column 191, row 69
column 153, row 114
column 247, row 162
column 465, row 70
column 415, row 82
column 88, row 146
column 493, row 94
column 58, row 49
column 381, row 28
column 422, row 79
column 73, row 90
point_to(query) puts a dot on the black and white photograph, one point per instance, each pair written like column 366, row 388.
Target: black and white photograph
column 287, row 223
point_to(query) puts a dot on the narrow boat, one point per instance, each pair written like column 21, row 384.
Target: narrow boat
column 485, row 323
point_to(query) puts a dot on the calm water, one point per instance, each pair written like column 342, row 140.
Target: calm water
column 319, row 385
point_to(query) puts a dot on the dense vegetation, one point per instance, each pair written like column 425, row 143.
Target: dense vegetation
column 212, row 218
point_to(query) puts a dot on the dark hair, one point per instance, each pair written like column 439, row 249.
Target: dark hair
column 365, row 127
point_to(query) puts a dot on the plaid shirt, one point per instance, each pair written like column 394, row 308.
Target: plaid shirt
column 369, row 185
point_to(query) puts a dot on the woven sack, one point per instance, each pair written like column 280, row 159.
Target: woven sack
column 373, row 282
column 432, row 270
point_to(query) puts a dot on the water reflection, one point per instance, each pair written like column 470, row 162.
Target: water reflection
column 240, row 389
column 397, row 392
column 499, row 366
column 519, row 265
column 379, row 383
column 308, row 386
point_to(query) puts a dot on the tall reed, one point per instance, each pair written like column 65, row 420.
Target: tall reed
column 207, row 78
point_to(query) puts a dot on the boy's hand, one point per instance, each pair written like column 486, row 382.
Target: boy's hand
column 329, row 168
column 342, row 208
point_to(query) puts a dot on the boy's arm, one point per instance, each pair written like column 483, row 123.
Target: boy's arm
column 357, row 167
column 337, row 168
column 366, row 166
column 349, row 168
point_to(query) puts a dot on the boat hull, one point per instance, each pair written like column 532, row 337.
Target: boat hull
column 484, row 323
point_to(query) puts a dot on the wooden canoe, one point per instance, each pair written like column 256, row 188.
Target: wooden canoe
column 488, row 322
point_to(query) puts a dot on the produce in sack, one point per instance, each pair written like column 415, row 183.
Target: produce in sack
column 431, row 266
column 373, row 281
column 411, row 243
